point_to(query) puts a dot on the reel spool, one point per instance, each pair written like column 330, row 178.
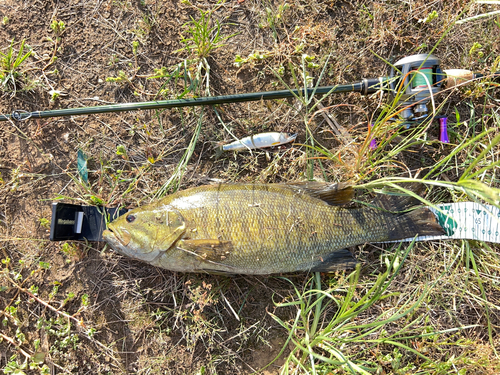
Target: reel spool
column 416, row 78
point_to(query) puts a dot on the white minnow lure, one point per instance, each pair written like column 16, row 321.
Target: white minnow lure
column 261, row 140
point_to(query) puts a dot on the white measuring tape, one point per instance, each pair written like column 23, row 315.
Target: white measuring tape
column 466, row 221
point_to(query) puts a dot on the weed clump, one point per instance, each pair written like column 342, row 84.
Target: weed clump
column 13, row 77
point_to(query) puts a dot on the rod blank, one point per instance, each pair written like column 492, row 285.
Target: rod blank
column 364, row 87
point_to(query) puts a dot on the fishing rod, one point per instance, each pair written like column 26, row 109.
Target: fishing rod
column 177, row 103
column 414, row 79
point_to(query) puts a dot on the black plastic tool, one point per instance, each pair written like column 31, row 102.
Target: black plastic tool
column 79, row 223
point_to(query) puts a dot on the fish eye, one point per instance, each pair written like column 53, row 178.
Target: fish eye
column 130, row 218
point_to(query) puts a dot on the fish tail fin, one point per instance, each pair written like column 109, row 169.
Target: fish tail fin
column 405, row 215
column 420, row 221
column 336, row 260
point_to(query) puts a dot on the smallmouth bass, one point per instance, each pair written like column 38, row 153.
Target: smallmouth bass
column 261, row 228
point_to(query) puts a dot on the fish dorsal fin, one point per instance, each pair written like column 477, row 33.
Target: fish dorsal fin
column 334, row 194
column 398, row 202
column 208, row 249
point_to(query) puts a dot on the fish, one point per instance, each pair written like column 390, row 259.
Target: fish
column 261, row 229
column 261, row 140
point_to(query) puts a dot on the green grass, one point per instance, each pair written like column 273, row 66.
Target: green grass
column 332, row 320
column 12, row 77
column 204, row 36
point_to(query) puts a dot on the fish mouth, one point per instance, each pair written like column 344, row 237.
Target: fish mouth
column 123, row 237
column 119, row 239
column 108, row 234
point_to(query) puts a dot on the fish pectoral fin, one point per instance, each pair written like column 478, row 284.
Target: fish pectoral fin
column 336, row 260
column 333, row 194
column 208, row 249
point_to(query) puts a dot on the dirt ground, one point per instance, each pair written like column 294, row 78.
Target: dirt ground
column 89, row 310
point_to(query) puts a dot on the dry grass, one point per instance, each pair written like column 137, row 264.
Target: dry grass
column 81, row 308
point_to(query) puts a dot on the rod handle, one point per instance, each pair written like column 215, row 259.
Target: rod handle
column 456, row 77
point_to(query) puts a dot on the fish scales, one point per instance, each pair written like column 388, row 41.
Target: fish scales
column 267, row 226
column 256, row 229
